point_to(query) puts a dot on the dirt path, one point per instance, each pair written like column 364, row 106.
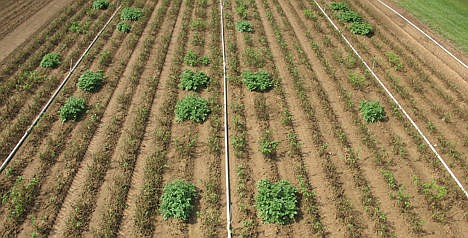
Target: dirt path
column 24, row 31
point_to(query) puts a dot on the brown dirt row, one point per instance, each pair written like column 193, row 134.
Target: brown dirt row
column 366, row 163
column 240, row 171
column 384, row 141
column 22, row 32
column 14, row 17
column 337, row 108
column 446, row 135
column 19, row 164
column 114, row 115
column 19, row 112
column 429, row 105
column 258, row 164
column 62, row 174
column 417, row 35
column 127, row 228
column 16, row 86
column 40, row 167
column 280, row 165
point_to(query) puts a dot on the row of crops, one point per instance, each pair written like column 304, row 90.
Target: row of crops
column 132, row 146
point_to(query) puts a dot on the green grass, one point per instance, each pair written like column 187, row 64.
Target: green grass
column 447, row 17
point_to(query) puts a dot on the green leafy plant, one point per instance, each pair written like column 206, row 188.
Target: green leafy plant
column 100, row 4
column 361, row 28
column 349, row 16
column 339, row 6
column 124, row 27
column 192, row 108
column 276, row 202
column 177, row 200
column 198, row 24
column 372, row 111
column 19, row 197
column 90, row 81
column 204, row 60
column 27, row 78
column 191, row 58
column 394, row 60
column 79, row 27
column 255, row 57
column 268, row 146
column 259, row 81
column 51, row 60
column 192, row 80
column 73, row 109
column 357, row 80
column 244, row 26
column 309, row 14
column 105, row 58
column 131, row 14
column 241, row 10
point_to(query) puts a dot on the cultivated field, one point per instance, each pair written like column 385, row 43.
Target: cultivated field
column 103, row 172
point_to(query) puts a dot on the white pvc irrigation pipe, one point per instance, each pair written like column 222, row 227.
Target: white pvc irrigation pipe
column 226, row 135
column 51, row 99
column 425, row 34
column 395, row 101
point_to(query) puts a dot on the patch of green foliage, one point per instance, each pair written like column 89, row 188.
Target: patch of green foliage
column 177, row 200
column 105, row 58
column 259, row 81
column 357, row 80
column 339, row 6
column 309, row 14
column 192, row 80
column 192, row 108
column 19, row 197
column 276, row 202
column 198, row 24
column 361, row 28
column 191, row 58
column 268, row 147
column 51, row 60
column 394, row 60
column 73, row 109
column 349, row 16
column 100, row 4
column 204, row 60
column 79, row 27
column 244, row 26
column 90, row 81
column 131, row 14
column 124, row 27
column 372, row 111
column 241, row 10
